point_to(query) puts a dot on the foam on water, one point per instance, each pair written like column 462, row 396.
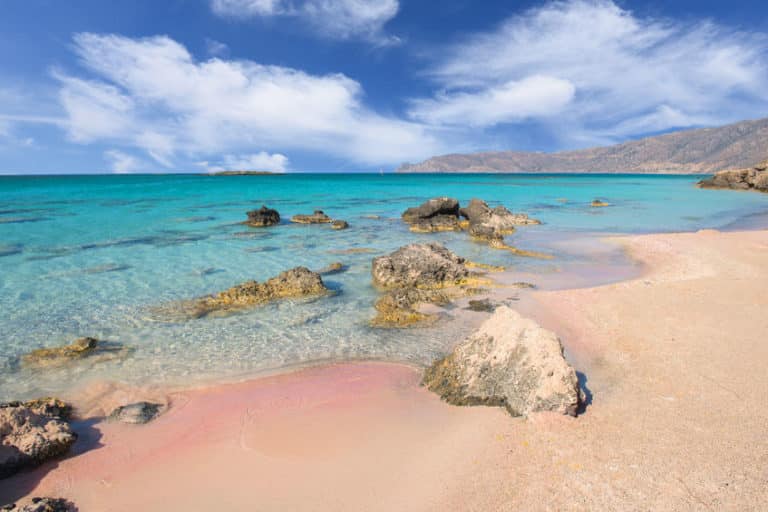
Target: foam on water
column 103, row 250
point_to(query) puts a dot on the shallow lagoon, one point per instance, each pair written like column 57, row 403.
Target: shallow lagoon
column 89, row 255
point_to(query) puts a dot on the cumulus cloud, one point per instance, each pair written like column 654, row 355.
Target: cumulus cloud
column 336, row 19
column 261, row 161
column 629, row 74
column 152, row 94
column 122, row 163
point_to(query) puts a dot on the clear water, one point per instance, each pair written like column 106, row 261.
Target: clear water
column 88, row 256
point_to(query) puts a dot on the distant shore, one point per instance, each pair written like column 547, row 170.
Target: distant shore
column 673, row 364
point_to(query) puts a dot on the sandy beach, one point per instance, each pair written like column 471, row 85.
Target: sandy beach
column 674, row 364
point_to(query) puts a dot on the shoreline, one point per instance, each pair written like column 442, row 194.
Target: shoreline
column 482, row 458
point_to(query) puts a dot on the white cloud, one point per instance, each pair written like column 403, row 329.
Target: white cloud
column 152, row 94
column 533, row 96
column 336, row 19
column 216, row 48
column 261, row 161
column 630, row 74
column 121, row 162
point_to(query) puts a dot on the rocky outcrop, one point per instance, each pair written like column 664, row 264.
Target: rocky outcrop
column 42, row 505
column 339, row 225
column 33, row 432
column 438, row 214
column 263, row 217
column 295, row 283
column 318, row 217
column 82, row 348
column 500, row 219
column 137, row 413
column 510, row 362
column 420, row 266
column 753, row 178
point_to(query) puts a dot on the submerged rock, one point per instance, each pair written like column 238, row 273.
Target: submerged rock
column 420, row 266
column 33, row 432
column 82, row 348
column 339, row 224
column 334, row 268
column 754, row 178
column 42, row 505
column 510, row 362
column 318, row 217
column 399, row 307
column 263, row 217
column 295, row 283
column 137, row 413
column 481, row 306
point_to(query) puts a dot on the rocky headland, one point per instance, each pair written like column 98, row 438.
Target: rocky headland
column 751, row 178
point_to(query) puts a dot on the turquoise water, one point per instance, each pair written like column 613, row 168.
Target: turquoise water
column 89, row 256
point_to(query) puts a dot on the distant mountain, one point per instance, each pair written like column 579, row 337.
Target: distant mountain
column 700, row 151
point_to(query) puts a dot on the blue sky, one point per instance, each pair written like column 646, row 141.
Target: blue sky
column 358, row 85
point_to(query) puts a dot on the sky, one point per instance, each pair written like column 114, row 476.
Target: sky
column 89, row 86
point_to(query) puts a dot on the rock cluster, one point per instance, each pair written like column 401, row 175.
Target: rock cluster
column 484, row 224
column 263, row 217
column 42, row 505
column 81, row 348
column 754, row 178
column 510, row 362
column 33, row 432
column 295, row 283
column 417, row 274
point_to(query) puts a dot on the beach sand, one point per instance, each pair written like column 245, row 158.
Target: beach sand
column 674, row 363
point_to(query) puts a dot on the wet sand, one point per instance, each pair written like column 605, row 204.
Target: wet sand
column 674, row 362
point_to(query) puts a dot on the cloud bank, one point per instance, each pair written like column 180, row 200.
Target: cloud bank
column 627, row 75
column 153, row 95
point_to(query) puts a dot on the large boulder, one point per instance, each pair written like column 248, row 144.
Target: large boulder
column 420, row 266
column 500, row 219
column 753, row 178
column 318, row 217
column 295, row 283
column 263, row 217
column 438, row 214
column 510, row 362
column 33, row 432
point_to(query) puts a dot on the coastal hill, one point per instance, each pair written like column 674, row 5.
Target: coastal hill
column 699, row 151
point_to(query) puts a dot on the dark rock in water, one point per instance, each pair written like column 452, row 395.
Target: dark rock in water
column 339, row 224
column 334, row 268
column 754, row 178
column 438, row 214
column 80, row 349
column 316, row 218
column 599, row 203
column 420, row 265
column 481, row 306
column 33, row 432
column 295, row 283
column 511, row 362
column 138, row 413
column 263, row 217
column 399, row 307
column 42, row 505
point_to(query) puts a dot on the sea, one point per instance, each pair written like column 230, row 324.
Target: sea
column 95, row 255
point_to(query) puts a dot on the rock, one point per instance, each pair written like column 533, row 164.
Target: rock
column 339, row 224
column 399, row 307
column 334, row 268
column 438, row 214
column 31, row 433
column 754, row 178
column 436, row 224
column 137, row 413
column 43, row 505
column 316, row 218
column 420, row 266
column 295, row 283
column 263, row 217
column 477, row 212
column 481, row 306
column 91, row 348
column 511, row 362
column 597, row 203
